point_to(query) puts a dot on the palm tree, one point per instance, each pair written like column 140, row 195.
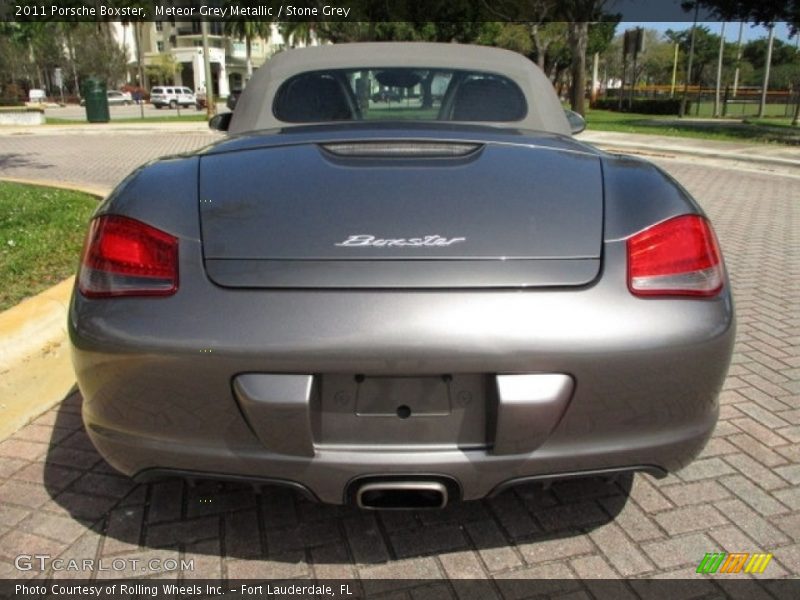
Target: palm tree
column 247, row 31
column 296, row 32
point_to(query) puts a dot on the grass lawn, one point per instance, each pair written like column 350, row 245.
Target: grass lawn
column 772, row 122
column 41, row 235
column 758, row 131
column 739, row 109
column 186, row 117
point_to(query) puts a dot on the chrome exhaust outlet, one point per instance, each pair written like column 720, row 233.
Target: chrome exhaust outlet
column 401, row 495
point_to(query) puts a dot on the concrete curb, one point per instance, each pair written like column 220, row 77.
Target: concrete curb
column 28, row 327
column 659, row 147
column 101, row 191
column 106, row 128
column 699, row 153
column 35, row 367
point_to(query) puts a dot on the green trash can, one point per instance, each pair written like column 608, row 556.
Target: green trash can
column 94, row 93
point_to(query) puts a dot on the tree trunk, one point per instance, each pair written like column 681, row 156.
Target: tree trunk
column 71, row 51
column 362, row 90
column 37, row 79
column 138, row 37
column 578, row 38
column 541, row 47
column 427, row 94
column 249, row 58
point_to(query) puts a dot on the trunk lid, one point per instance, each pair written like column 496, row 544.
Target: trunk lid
column 401, row 213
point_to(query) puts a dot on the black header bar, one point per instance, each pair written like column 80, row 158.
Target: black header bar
column 348, row 10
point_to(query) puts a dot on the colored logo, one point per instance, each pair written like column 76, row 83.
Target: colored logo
column 735, row 562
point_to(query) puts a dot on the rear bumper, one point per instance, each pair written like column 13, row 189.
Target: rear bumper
column 157, row 376
column 330, row 476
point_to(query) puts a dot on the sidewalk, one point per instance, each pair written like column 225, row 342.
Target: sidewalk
column 787, row 158
column 106, row 128
column 776, row 155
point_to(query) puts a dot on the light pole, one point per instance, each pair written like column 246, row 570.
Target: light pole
column 137, row 36
column 674, row 71
column 691, row 58
column 797, row 106
column 210, row 106
column 765, row 85
column 738, row 59
column 719, row 70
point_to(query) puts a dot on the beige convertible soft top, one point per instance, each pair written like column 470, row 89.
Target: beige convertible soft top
column 254, row 108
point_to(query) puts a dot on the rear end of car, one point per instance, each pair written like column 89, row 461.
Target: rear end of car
column 118, row 97
column 401, row 317
column 159, row 97
column 185, row 96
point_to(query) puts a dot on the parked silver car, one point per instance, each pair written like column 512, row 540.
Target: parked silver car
column 400, row 306
column 115, row 97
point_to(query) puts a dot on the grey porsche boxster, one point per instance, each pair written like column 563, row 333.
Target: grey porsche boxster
column 397, row 304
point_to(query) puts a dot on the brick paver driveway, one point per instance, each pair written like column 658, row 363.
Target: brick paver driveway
column 58, row 497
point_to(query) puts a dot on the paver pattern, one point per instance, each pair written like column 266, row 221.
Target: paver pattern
column 58, row 497
column 97, row 158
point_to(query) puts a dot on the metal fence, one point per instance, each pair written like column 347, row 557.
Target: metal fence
column 744, row 103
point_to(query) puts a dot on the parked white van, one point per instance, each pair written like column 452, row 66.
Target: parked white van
column 172, row 96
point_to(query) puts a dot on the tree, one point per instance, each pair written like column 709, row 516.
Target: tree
column 247, row 31
column 761, row 12
column 549, row 40
column 577, row 15
column 163, row 68
column 511, row 36
column 15, row 60
column 296, row 32
column 39, row 41
column 537, row 17
column 97, row 54
column 656, row 63
column 68, row 30
column 764, row 12
column 653, row 65
column 706, row 52
column 755, row 52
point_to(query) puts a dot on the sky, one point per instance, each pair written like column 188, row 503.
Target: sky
column 751, row 32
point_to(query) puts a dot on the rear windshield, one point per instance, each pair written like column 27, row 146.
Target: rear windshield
column 398, row 93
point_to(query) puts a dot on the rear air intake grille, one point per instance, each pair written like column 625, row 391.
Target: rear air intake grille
column 401, row 149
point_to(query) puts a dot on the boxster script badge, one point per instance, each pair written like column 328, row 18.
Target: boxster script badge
column 428, row 240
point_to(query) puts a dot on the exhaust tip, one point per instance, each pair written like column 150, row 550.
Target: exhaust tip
column 401, row 495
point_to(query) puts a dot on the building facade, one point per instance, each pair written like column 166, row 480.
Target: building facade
column 172, row 52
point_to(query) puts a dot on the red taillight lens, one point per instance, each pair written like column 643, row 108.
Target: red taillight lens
column 679, row 257
column 125, row 257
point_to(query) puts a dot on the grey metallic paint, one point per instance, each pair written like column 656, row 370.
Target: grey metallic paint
column 186, row 383
column 647, row 372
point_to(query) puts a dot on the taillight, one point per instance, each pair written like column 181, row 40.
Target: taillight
column 125, row 257
column 679, row 257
